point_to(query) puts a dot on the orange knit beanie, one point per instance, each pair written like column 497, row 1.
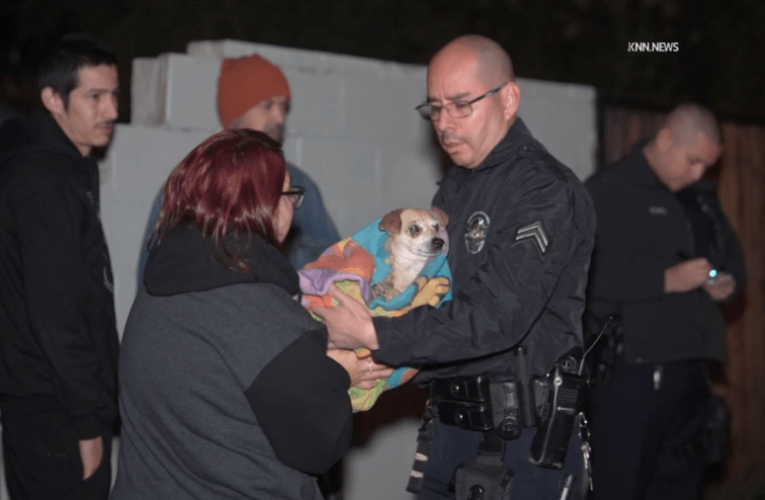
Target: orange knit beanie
column 246, row 81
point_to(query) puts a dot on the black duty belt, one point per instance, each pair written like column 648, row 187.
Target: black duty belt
column 481, row 404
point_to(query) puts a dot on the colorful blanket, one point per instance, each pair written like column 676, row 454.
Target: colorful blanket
column 355, row 264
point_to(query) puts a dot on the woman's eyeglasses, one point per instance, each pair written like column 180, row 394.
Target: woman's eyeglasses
column 296, row 194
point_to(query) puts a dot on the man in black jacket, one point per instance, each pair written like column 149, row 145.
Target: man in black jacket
column 521, row 228
column 59, row 339
column 664, row 256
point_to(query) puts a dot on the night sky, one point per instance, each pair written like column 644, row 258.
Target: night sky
column 719, row 61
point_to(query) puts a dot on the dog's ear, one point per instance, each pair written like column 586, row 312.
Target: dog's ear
column 441, row 215
column 391, row 223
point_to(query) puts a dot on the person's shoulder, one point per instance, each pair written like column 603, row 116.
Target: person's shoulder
column 299, row 177
column 33, row 168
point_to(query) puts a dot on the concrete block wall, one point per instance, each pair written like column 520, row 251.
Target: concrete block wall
column 352, row 128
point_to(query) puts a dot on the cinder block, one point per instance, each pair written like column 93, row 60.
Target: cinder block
column 175, row 91
column 148, row 91
column 380, row 105
column 316, row 102
column 138, row 162
column 563, row 118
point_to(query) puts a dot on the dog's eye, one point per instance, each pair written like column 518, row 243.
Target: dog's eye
column 435, row 227
column 414, row 230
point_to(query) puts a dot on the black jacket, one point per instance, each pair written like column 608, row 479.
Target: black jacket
column 521, row 229
column 59, row 338
column 225, row 387
column 642, row 230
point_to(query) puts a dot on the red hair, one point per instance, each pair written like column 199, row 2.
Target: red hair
column 229, row 184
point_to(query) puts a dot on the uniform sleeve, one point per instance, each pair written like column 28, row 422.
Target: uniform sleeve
column 302, row 405
column 50, row 219
column 504, row 298
column 627, row 264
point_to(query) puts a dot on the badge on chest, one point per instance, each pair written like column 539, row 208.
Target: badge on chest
column 476, row 230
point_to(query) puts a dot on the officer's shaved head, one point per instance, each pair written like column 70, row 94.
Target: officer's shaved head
column 475, row 73
column 493, row 65
column 686, row 145
column 687, row 120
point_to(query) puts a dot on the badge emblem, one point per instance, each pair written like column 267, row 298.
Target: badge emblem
column 475, row 234
column 534, row 233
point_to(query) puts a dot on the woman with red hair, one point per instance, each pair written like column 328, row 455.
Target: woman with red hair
column 227, row 389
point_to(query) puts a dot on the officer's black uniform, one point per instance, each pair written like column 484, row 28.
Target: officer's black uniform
column 647, row 421
column 521, row 230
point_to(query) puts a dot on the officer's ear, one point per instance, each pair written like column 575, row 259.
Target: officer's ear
column 52, row 101
column 664, row 139
column 511, row 98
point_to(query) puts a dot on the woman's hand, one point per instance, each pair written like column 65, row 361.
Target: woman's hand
column 364, row 372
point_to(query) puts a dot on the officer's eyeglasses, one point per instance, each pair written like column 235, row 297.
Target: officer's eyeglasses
column 296, row 194
column 457, row 109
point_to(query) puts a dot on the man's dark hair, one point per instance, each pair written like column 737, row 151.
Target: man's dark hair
column 60, row 69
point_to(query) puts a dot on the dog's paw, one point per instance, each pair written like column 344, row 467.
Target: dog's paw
column 431, row 291
column 382, row 289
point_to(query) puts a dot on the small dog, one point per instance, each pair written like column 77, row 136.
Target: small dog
column 412, row 240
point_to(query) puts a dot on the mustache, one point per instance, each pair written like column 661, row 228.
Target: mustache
column 108, row 123
column 447, row 137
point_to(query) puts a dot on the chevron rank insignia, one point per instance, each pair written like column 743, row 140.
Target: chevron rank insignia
column 534, row 233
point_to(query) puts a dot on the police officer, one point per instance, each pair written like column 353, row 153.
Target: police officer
column 521, row 230
column 664, row 255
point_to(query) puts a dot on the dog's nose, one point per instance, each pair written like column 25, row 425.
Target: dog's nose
column 438, row 243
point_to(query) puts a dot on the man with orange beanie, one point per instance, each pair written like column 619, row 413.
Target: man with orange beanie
column 253, row 93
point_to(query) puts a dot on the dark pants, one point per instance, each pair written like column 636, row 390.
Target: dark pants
column 646, row 443
column 42, row 459
column 452, row 446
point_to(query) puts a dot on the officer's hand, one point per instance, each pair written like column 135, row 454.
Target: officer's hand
column 364, row 372
column 721, row 288
column 91, row 453
column 687, row 276
column 349, row 323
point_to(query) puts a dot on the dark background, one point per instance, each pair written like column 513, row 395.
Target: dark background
column 720, row 62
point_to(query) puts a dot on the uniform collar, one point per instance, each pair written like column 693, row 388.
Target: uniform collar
column 642, row 173
column 515, row 137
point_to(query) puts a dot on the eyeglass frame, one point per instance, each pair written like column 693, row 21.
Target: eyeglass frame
column 298, row 193
column 469, row 104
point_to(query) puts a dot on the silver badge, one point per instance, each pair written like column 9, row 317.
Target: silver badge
column 475, row 234
column 534, row 233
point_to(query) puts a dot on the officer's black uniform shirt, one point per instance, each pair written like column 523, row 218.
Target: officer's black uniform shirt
column 521, row 230
column 643, row 229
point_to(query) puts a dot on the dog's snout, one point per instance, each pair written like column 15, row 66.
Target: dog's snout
column 438, row 243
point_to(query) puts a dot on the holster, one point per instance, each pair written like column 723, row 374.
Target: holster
column 486, row 478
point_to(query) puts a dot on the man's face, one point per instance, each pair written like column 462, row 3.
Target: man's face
column 89, row 118
column 267, row 116
column 685, row 163
column 469, row 140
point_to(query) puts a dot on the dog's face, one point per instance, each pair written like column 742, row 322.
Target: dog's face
column 416, row 230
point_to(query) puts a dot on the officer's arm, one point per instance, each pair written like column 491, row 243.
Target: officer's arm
column 504, row 297
column 50, row 220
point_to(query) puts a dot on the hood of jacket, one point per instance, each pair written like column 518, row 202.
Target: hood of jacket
column 36, row 132
column 184, row 261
